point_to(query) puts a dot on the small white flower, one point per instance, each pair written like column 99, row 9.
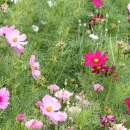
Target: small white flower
column 85, row 24
column 15, row 1
column 93, row 36
column 35, row 28
column 51, row 3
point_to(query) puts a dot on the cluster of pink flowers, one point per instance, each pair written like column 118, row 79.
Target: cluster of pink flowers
column 14, row 37
column 50, row 106
column 35, row 67
column 30, row 124
column 97, row 61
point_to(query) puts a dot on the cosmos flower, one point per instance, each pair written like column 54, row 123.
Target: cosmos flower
column 95, row 59
column 63, row 95
column 34, row 124
column 58, row 117
column 98, row 88
column 4, row 98
column 5, row 29
column 49, row 104
column 118, row 127
column 107, row 120
column 127, row 102
column 98, row 3
column 128, row 7
column 53, row 88
column 14, row 38
column 35, row 67
column 20, row 117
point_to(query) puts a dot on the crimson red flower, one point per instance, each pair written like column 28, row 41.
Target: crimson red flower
column 103, row 69
column 127, row 102
column 95, row 60
column 98, row 18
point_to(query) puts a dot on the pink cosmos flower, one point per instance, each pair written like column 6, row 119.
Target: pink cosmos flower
column 98, row 88
column 53, row 88
column 97, row 3
column 49, row 104
column 58, row 117
column 14, row 38
column 36, row 73
column 5, row 29
column 34, row 124
column 95, row 59
column 128, row 7
column 20, row 117
column 4, row 98
column 63, row 95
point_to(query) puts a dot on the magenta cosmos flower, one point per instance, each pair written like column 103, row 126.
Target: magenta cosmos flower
column 35, row 67
column 53, row 88
column 34, row 124
column 57, row 117
column 63, row 95
column 49, row 104
column 95, row 59
column 98, row 3
column 4, row 98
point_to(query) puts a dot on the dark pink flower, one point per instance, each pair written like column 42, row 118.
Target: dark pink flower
column 4, row 98
column 20, row 117
column 107, row 120
column 98, row 3
column 95, row 59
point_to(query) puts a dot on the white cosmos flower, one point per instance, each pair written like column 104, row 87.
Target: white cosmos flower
column 93, row 36
column 35, row 28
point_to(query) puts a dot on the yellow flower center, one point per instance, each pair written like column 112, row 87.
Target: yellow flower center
column 15, row 39
column 49, row 109
column 96, row 60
